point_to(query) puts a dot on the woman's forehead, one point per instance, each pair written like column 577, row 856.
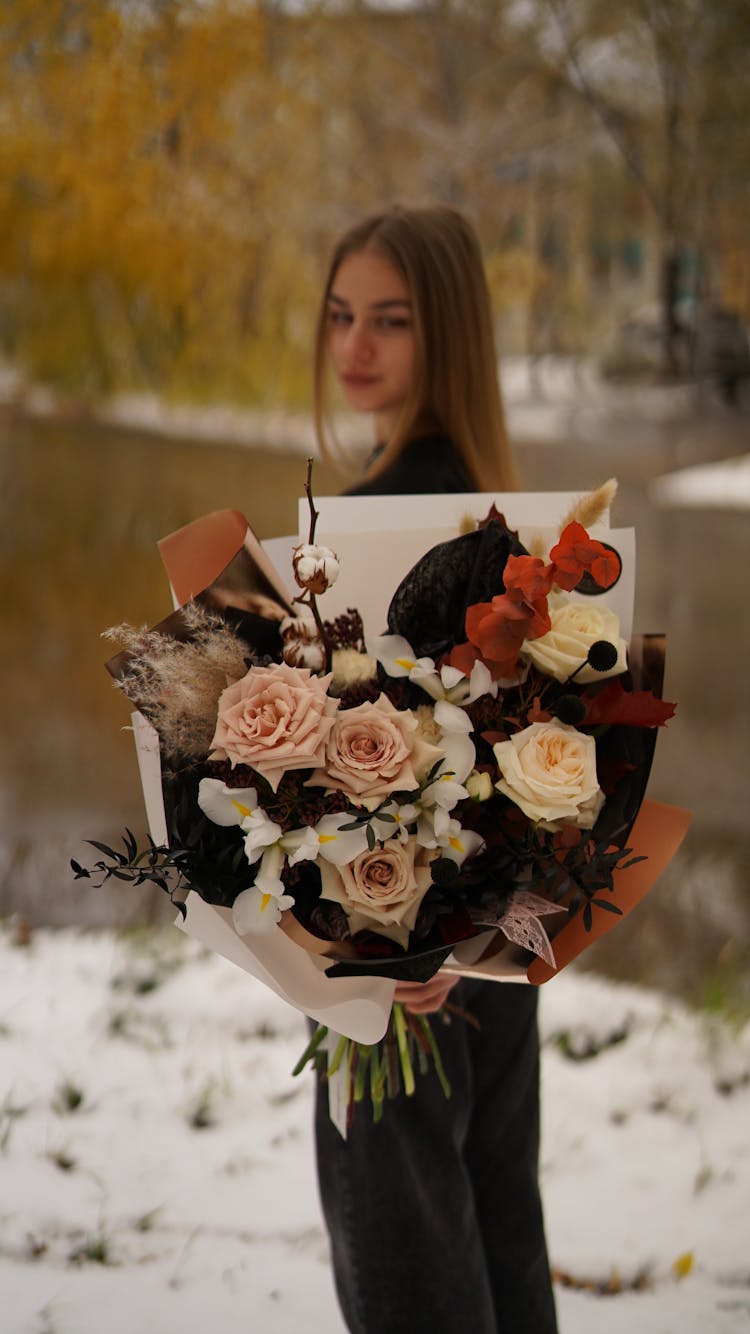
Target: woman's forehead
column 369, row 279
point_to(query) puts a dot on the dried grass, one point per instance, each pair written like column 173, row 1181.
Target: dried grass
column 590, row 508
column 176, row 683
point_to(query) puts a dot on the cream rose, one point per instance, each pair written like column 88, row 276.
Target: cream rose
column 549, row 770
column 374, row 750
column 275, row 719
column 381, row 890
column 575, row 626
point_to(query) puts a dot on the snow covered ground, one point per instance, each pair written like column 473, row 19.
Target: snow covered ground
column 156, row 1167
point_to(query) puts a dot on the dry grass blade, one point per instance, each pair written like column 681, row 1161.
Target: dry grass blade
column 590, row 508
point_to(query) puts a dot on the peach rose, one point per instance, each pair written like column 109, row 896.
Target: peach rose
column 549, row 770
column 374, row 750
column 274, row 719
column 381, row 890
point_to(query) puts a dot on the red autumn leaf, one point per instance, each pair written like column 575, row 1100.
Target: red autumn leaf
column 493, row 513
column 631, row 708
column 494, row 738
column 536, row 714
column 529, row 577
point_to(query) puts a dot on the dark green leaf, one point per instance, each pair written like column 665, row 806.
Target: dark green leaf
column 611, row 907
column 108, row 852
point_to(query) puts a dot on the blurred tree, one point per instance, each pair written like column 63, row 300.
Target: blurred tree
column 172, row 172
column 669, row 81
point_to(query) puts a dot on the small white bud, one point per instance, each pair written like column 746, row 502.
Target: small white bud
column 479, row 785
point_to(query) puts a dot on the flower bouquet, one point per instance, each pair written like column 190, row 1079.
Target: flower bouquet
column 349, row 810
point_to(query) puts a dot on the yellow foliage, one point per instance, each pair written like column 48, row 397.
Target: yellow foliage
column 514, row 276
column 172, row 175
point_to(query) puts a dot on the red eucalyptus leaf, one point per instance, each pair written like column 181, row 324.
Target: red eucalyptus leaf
column 576, row 552
column 606, row 568
column 529, row 577
column 462, row 657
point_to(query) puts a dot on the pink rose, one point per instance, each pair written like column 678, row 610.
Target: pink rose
column 381, row 890
column 275, row 719
column 374, row 750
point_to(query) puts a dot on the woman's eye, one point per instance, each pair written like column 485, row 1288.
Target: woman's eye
column 392, row 322
column 339, row 319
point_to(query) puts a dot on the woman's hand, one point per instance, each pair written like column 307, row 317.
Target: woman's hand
column 425, row 997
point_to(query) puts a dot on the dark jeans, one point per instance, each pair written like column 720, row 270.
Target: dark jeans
column 434, row 1214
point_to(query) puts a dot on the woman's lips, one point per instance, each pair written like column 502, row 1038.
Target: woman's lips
column 357, row 380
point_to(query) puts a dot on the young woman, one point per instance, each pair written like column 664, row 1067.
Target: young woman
column 434, row 1214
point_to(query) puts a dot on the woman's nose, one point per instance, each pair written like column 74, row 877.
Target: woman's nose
column 359, row 341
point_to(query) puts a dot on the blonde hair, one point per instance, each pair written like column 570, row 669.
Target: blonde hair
column 456, row 389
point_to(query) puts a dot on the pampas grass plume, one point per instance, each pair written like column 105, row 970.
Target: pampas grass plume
column 177, row 683
column 590, row 508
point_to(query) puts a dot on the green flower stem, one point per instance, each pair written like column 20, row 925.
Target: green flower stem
column 391, row 1065
column 407, row 1069
column 338, row 1055
column 311, row 1048
column 364, row 1056
column 377, row 1082
column 426, row 1027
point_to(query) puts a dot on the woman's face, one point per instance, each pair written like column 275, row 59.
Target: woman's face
column 370, row 336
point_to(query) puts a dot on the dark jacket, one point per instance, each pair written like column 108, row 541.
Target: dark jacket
column 428, row 465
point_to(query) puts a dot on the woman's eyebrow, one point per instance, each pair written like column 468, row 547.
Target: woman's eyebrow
column 374, row 305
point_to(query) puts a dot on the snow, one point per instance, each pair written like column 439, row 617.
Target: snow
column 157, row 1166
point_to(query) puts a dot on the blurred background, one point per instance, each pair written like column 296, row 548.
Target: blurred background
column 172, row 175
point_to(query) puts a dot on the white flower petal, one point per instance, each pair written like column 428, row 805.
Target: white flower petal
column 300, row 845
column 461, row 843
column 396, row 655
column 340, row 846
column 424, row 674
column 460, row 755
column 444, row 792
column 268, row 878
column 451, row 676
column 450, row 718
column 226, row 805
column 481, row 682
column 256, row 913
column 260, row 833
